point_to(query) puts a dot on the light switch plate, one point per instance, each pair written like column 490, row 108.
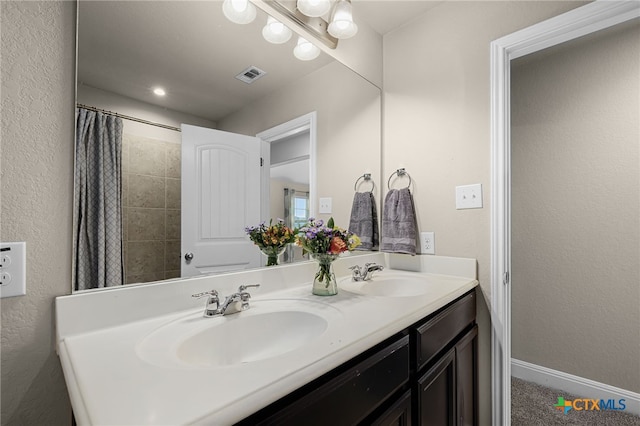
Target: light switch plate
column 13, row 267
column 469, row 196
column 325, row 205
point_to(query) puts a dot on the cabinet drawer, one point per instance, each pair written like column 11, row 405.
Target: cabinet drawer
column 436, row 333
column 350, row 397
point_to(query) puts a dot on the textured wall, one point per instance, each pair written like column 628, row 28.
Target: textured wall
column 436, row 124
column 576, row 207
column 37, row 83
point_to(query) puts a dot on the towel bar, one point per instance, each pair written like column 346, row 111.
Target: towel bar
column 400, row 173
column 367, row 178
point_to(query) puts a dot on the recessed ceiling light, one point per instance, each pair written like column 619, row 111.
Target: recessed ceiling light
column 159, row 91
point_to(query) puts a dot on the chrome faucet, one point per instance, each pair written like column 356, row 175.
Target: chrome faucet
column 238, row 301
column 364, row 273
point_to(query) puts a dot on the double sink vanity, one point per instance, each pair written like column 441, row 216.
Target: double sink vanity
column 399, row 348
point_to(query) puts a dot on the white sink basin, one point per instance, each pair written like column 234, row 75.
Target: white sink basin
column 390, row 283
column 247, row 339
column 268, row 329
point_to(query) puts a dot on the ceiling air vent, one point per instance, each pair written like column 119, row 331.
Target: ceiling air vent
column 250, row 75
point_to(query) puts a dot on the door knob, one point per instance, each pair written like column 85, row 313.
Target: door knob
column 188, row 257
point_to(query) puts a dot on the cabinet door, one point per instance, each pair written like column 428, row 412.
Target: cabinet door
column 437, row 393
column 399, row 414
column 467, row 378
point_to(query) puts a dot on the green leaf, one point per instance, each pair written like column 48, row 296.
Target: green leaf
column 330, row 223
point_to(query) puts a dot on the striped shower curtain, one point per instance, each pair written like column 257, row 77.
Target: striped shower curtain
column 97, row 220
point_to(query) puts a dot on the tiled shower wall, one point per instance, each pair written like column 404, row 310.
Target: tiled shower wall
column 151, row 209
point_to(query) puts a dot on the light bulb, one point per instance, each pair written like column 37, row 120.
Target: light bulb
column 314, row 8
column 276, row 32
column 342, row 25
column 305, row 50
column 159, row 91
column 239, row 11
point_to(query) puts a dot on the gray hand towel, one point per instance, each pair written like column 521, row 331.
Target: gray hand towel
column 399, row 223
column 364, row 220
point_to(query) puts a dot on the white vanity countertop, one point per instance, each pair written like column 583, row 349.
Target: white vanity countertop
column 110, row 384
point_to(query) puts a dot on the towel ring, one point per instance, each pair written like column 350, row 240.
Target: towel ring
column 399, row 172
column 367, row 178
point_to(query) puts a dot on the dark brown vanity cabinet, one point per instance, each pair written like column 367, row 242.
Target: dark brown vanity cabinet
column 424, row 375
column 446, row 392
column 446, row 361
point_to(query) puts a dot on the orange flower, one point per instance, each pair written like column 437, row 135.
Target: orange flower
column 337, row 245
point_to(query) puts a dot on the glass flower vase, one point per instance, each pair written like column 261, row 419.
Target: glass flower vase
column 272, row 253
column 324, row 283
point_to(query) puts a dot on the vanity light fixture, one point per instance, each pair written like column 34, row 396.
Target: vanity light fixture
column 275, row 31
column 159, row 91
column 342, row 25
column 314, row 8
column 305, row 50
column 239, row 11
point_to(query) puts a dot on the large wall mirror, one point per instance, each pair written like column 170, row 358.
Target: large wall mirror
column 189, row 49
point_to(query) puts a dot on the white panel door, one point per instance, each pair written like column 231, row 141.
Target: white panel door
column 220, row 196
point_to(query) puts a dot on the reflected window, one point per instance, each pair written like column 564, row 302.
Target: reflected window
column 300, row 209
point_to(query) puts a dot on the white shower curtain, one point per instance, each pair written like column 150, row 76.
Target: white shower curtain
column 98, row 201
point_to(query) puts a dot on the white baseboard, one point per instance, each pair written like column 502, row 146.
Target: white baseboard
column 574, row 385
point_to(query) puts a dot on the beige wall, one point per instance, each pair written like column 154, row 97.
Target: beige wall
column 436, row 125
column 349, row 130
column 576, row 207
column 37, row 84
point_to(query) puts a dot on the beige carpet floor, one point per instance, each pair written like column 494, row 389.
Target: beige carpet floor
column 533, row 405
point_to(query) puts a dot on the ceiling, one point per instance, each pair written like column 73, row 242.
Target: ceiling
column 193, row 52
column 386, row 15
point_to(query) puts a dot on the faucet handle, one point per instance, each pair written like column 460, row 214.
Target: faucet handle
column 355, row 268
column 213, row 293
column 243, row 287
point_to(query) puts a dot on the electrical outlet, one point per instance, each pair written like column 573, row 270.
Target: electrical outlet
column 13, row 269
column 5, row 260
column 427, row 243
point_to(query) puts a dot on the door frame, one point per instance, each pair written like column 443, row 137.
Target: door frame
column 584, row 20
column 308, row 121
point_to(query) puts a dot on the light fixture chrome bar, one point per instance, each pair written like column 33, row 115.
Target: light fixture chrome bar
column 316, row 26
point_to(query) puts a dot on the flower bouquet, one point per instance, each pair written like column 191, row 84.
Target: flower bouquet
column 272, row 239
column 324, row 244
